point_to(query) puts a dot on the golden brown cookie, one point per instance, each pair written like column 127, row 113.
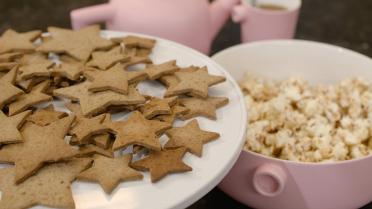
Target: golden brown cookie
column 6, row 66
column 202, row 107
column 114, row 79
column 41, row 144
column 137, row 130
column 78, row 44
column 8, row 92
column 189, row 136
column 176, row 111
column 105, row 59
column 156, row 71
column 10, row 56
column 161, row 163
column 10, row 126
column 195, row 83
column 158, row 106
column 95, row 102
column 36, row 69
column 27, row 100
column 46, row 116
column 110, row 172
column 90, row 150
column 102, row 140
column 12, row 41
column 135, row 41
column 69, row 68
column 49, row 187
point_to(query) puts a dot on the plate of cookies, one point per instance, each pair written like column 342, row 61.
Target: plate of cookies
column 101, row 119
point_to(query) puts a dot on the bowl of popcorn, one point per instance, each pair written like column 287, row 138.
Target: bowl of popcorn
column 309, row 134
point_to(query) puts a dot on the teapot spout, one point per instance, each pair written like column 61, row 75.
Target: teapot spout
column 220, row 11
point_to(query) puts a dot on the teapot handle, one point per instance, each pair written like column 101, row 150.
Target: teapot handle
column 90, row 15
column 269, row 180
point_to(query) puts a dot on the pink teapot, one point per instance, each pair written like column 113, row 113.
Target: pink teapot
column 194, row 23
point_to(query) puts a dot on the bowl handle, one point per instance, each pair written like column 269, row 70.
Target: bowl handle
column 269, row 180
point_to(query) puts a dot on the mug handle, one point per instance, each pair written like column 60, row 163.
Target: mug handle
column 89, row 15
column 239, row 13
column 269, row 180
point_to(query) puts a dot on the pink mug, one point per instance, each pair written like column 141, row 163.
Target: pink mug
column 259, row 23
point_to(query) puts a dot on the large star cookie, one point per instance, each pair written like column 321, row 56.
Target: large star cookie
column 161, row 163
column 49, row 187
column 41, row 144
column 79, row 44
column 190, row 136
column 109, row 172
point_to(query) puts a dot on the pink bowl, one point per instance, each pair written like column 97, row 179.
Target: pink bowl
column 263, row 182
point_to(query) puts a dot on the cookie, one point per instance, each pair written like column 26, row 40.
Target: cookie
column 89, row 150
column 49, row 187
column 78, row 44
column 10, row 126
column 69, row 68
column 202, row 107
column 158, row 106
column 12, row 41
column 93, row 103
column 195, row 83
column 171, row 80
column 10, row 56
column 110, row 172
column 45, row 116
column 176, row 112
column 105, row 59
column 9, row 92
column 114, row 79
column 6, row 66
column 162, row 163
column 137, row 130
column 25, row 101
column 41, row 144
column 41, row 68
column 102, row 140
column 135, row 41
column 189, row 136
column 156, row 71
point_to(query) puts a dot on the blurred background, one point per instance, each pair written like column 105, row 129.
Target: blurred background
column 340, row 22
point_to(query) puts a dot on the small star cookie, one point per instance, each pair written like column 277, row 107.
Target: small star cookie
column 202, row 107
column 10, row 126
column 8, row 91
column 12, row 41
column 106, row 59
column 161, row 163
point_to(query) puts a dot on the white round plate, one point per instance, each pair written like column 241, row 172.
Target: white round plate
column 183, row 189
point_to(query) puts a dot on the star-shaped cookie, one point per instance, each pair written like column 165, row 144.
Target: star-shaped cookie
column 41, row 144
column 49, row 187
column 10, row 57
column 8, row 91
column 135, row 41
column 36, row 69
column 158, row 106
column 189, row 136
column 114, row 79
column 156, row 71
column 69, row 68
column 78, row 44
column 45, row 116
column 95, row 102
column 161, row 163
column 110, row 172
column 89, row 150
column 27, row 100
column 195, row 83
column 202, row 107
column 176, row 111
column 12, row 41
column 5, row 66
column 106, row 59
column 10, row 126
column 137, row 130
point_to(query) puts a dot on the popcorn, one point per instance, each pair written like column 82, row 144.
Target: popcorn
column 294, row 121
